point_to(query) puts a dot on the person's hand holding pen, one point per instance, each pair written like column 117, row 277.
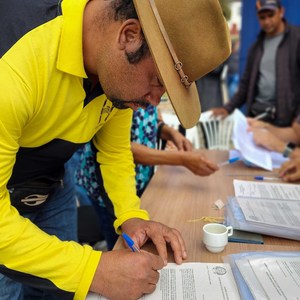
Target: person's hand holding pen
column 130, row 243
column 125, row 275
column 132, row 274
column 141, row 231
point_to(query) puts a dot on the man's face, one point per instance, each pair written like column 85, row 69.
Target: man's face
column 270, row 21
column 130, row 85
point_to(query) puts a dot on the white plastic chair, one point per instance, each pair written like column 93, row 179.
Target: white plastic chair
column 216, row 132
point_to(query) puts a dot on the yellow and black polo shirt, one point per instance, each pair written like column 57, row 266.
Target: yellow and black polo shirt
column 47, row 112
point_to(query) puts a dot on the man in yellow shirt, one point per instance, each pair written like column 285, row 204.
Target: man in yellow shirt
column 69, row 71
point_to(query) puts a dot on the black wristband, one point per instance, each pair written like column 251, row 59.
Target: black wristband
column 289, row 147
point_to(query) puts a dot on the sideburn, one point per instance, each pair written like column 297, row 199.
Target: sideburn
column 137, row 56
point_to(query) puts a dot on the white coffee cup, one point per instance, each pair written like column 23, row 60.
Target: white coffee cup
column 215, row 236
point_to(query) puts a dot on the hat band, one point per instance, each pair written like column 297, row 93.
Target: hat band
column 177, row 64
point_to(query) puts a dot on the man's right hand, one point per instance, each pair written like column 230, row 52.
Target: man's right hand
column 219, row 112
column 122, row 274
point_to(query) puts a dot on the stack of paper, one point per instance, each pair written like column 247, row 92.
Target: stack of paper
column 267, row 275
column 266, row 208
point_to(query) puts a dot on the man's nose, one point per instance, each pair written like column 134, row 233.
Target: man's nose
column 155, row 96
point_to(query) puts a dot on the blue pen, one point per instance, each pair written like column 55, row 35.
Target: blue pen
column 130, row 243
column 229, row 161
column 266, row 178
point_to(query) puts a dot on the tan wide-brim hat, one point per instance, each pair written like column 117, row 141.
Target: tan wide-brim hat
column 187, row 39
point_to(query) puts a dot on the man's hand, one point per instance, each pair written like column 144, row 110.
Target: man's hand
column 181, row 142
column 263, row 137
column 290, row 170
column 176, row 138
column 219, row 112
column 198, row 164
column 140, row 231
column 125, row 275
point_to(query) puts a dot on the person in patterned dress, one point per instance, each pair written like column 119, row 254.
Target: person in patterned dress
column 147, row 131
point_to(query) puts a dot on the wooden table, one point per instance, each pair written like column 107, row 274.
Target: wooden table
column 175, row 195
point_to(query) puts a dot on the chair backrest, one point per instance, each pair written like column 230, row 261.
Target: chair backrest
column 216, row 132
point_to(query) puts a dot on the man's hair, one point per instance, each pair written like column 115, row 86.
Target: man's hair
column 123, row 10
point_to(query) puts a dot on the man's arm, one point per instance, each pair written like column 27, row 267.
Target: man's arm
column 116, row 167
column 117, row 173
column 284, row 134
column 28, row 254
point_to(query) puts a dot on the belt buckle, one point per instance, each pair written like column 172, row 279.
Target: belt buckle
column 34, row 199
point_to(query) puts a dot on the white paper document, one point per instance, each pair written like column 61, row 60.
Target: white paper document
column 277, row 159
column 271, row 212
column 265, row 208
column 269, row 203
column 272, row 277
column 243, row 141
column 266, row 190
column 192, row 281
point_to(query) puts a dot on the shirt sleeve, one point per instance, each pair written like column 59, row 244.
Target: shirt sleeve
column 28, row 254
column 117, row 167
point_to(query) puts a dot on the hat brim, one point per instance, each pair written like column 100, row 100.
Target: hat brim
column 185, row 101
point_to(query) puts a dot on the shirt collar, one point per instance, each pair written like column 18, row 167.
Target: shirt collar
column 70, row 54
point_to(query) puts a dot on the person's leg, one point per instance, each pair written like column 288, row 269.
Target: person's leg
column 10, row 289
column 58, row 217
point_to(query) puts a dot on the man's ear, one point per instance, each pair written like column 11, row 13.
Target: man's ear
column 130, row 35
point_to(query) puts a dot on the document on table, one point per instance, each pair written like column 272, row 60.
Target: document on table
column 269, row 203
column 192, row 281
column 272, row 277
column 271, row 212
column 266, row 190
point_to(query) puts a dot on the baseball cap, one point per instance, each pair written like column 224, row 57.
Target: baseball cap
column 262, row 5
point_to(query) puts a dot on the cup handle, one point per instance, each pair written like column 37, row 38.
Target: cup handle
column 229, row 230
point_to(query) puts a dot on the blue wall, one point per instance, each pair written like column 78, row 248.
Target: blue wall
column 250, row 27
